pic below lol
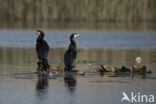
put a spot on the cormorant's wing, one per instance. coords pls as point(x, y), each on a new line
point(42, 50)
point(70, 57)
point(46, 48)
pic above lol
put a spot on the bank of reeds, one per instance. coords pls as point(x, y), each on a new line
point(77, 10)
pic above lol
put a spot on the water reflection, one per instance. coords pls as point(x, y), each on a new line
point(70, 82)
point(72, 89)
point(42, 83)
point(42, 88)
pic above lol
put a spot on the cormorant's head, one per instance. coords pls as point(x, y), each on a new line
point(74, 35)
point(39, 33)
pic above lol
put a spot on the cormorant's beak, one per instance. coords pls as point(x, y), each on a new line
point(77, 35)
point(36, 32)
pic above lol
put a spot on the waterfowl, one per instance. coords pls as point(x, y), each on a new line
point(42, 50)
point(71, 54)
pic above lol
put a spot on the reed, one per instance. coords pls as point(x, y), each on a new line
point(77, 10)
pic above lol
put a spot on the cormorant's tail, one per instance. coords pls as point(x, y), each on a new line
point(45, 64)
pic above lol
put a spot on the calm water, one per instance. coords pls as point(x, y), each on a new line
point(88, 39)
point(20, 85)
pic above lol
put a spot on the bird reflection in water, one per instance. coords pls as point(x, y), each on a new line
point(70, 82)
point(42, 87)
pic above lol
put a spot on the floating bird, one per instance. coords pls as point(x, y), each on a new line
point(71, 54)
point(42, 50)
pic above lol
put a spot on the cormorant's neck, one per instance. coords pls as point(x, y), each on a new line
point(40, 37)
point(73, 42)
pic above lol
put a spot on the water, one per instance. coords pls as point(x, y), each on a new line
point(88, 39)
point(20, 85)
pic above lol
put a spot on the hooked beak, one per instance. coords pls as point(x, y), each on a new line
point(36, 32)
point(77, 35)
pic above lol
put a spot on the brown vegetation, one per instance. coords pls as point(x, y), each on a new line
point(77, 10)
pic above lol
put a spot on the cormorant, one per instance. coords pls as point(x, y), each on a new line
point(71, 54)
point(42, 50)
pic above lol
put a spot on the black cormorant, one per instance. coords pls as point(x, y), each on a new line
point(42, 49)
point(71, 54)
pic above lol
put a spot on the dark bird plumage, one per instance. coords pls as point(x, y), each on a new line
point(42, 49)
point(71, 54)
